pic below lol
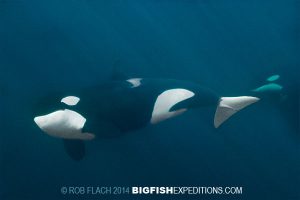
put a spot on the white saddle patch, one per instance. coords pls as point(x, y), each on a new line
point(165, 101)
point(135, 82)
point(70, 100)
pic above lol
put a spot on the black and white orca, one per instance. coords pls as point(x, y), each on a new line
point(120, 106)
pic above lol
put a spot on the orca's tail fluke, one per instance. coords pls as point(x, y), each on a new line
point(228, 106)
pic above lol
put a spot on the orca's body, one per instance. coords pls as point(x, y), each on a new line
point(129, 108)
point(120, 106)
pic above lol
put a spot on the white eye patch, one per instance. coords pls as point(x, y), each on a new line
point(70, 100)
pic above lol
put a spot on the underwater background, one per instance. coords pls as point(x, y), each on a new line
point(229, 46)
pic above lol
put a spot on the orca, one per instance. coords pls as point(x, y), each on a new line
point(271, 91)
point(123, 105)
point(281, 95)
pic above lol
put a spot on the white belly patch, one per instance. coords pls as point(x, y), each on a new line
point(165, 101)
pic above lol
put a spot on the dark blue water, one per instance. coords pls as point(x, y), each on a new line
point(230, 46)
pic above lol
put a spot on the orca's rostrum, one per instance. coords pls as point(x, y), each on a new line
point(124, 105)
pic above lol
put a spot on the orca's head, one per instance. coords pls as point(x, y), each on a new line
point(63, 122)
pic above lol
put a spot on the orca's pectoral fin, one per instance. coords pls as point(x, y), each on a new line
point(75, 149)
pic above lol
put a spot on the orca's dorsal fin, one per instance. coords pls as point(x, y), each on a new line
point(117, 73)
